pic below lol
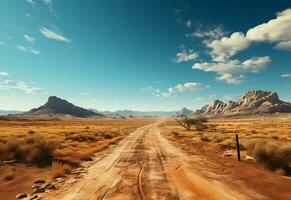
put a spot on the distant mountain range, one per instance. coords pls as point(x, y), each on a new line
point(127, 113)
point(184, 112)
point(10, 112)
point(59, 107)
point(252, 102)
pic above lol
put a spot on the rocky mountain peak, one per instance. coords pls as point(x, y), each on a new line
point(58, 106)
point(252, 102)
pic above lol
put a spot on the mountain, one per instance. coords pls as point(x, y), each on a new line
point(253, 102)
point(128, 113)
point(184, 112)
point(9, 112)
point(58, 106)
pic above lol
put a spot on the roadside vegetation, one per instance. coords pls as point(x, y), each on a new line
point(41, 141)
point(266, 139)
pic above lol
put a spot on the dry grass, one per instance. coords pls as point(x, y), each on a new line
point(35, 140)
point(276, 156)
point(60, 169)
point(267, 138)
point(29, 149)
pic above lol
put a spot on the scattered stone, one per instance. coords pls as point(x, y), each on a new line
point(39, 190)
point(248, 158)
point(228, 153)
point(50, 186)
point(60, 179)
point(40, 181)
point(35, 186)
point(21, 196)
point(33, 197)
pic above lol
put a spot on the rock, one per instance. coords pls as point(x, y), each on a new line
point(248, 158)
point(33, 197)
point(39, 190)
point(60, 179)
point(21, 196)
point(40, 181)
point(50, 186)
point(228, 153)
point(35, 186)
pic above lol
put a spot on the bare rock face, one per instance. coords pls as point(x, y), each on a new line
point(253, 102)
point(58, 106)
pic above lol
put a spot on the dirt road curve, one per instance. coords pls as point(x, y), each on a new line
point(146, 166)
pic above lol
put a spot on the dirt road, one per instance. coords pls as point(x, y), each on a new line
point(146, 166)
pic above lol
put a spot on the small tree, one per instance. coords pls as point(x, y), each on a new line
point(198, 122)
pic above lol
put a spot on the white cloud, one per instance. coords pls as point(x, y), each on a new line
point(188, 24)
point(49, 4)
point(53, 35)
point(28, 49)
point(231, 79)
point(231, 71)
point(186, 56)
point(277, 30)
point(284, 45)
point(4, 74)
point(86, 93)
point(31, 2)
point(1, 43)
point(191, 86)
point(226, 47)
point(286, 75)
point(214, 33)
point(28, 38)
point(22, 86)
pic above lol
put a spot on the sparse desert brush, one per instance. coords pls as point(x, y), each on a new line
point(31, 132)
point(217, 138)
point(273, 155)
point(82, 137)
point(85, 155)
point(30, 149)
point(60, 169)
point(59, 153)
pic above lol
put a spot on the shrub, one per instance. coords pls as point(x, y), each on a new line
point(85, 155)
point(218, 138)
point(31, 149)
point(273, 155)
point(82, 137)
point(60, 169)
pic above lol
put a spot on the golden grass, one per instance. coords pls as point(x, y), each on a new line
point(34, 140)
point(267, 138)
point(60, 169)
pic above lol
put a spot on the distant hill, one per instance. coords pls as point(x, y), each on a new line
point(10, 112)
point(56, 106)
point(127, 113)
point(252, 102)
point(184, 112)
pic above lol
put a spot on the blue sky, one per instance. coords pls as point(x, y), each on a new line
point(142, 55)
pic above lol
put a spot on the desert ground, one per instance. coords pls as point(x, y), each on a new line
point(46, 148)
point(146, 158)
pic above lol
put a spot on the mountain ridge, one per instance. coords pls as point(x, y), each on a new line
point(57, 106)
point(252, 102)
